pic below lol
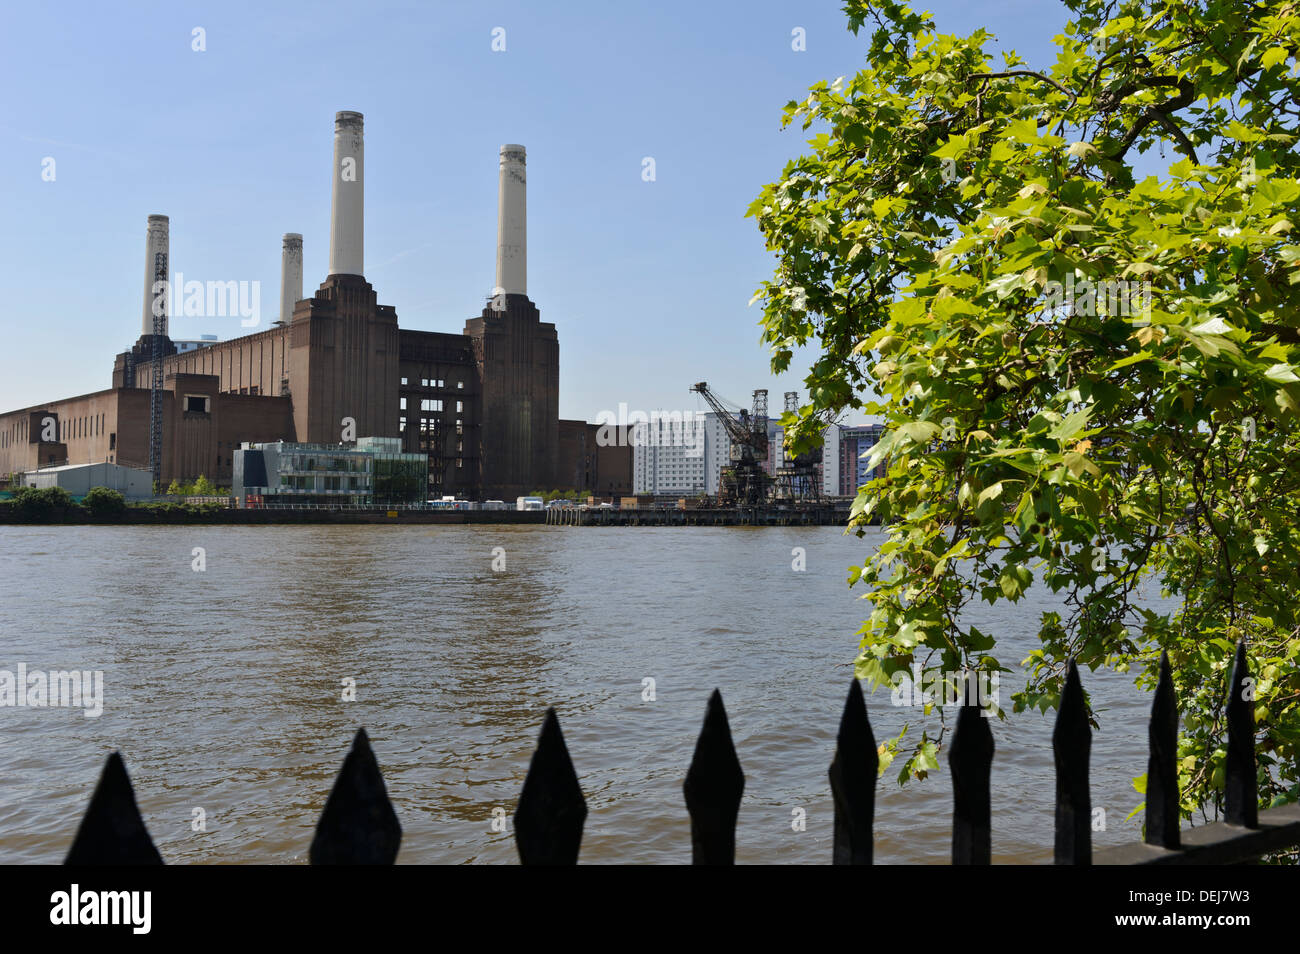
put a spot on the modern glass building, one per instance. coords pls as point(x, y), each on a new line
point(372, 472)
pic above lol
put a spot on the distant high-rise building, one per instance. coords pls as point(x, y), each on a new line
point(855, 443)
point(831, 461)
point(669, 454)
point(717, 452)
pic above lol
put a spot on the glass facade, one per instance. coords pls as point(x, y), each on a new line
point(400, 478)
point(374, 472)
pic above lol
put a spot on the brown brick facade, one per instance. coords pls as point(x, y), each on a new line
point(483, 405)
point(518, 357)
point(113, 426)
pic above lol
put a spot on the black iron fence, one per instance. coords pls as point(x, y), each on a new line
point(359, 826)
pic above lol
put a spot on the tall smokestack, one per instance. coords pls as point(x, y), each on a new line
point(290, 275)
point(512, 246)
point(347, 226)
point(155, 243)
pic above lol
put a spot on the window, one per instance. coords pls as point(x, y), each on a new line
point(401, 405)
point(431, 404)
point(460, 407)
point(196, 404)
point(404, 381)
point(460, 385)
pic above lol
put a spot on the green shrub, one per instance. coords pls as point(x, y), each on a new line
point(103, 502)
point(40, 502)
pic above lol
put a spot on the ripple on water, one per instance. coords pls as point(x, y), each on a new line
point(223, 689)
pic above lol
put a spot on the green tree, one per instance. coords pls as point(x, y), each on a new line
point(102, 502)
point(1070, 290)
point(204, 487)
point(40, 503)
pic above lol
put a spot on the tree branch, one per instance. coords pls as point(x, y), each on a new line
point(1159, 112)
point(1033, 73)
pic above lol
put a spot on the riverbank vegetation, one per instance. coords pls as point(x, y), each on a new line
point(100, 505)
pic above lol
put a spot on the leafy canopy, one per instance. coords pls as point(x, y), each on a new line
point(1069, 289)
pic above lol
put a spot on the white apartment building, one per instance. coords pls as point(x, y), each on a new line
point(831, 461)
point(717, 451)
point(670, 454)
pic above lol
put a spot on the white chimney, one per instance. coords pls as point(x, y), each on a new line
point(512, 246)
point(347, 226)
point(290, 275)
point(155, 269)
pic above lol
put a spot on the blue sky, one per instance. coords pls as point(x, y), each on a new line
point(648, 283)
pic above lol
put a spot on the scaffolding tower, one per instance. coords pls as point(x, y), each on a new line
point(798, 477)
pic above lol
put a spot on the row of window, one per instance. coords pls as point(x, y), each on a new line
point(321, 483)
point(432, 383)
point(428, 425)
point(89, 425)
point(433, 404)
point(359, 464)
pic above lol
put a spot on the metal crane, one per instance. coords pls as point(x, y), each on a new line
point(743, 482)
point(798, 478)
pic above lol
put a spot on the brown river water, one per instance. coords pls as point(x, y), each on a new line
point(222, 688)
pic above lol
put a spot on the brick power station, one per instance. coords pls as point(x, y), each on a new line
point(483, 405)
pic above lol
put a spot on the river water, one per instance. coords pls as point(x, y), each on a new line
point(222, 688)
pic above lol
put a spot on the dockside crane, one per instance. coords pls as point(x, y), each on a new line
point(742, 482)
point(798, 477)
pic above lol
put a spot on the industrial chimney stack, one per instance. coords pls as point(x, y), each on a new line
point(512, 247)
point(347, 226)
point(290, 275)
point(155, 243)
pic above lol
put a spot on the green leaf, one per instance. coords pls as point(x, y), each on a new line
point(1070, 426)
point(921, 432)
point(1273, 56)
point(1214, 326)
